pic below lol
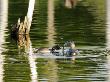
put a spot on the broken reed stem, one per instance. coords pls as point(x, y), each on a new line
point(23, 27)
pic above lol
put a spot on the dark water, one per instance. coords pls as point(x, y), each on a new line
point(85, 24)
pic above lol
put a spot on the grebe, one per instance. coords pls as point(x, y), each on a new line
point(68, 49)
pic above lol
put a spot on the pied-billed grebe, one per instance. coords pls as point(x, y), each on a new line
point(68, 49)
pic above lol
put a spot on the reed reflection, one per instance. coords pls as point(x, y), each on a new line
point(32, 64)
point(52, 74)
point(51, 27)
point(24, 43)
point(70, 3)
point(108, 37)
point(51, 68)
point(25, 48)
point(3, 25)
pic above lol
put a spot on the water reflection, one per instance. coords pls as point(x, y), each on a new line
point(51, 65)
point(70, 3)
point(32, 63)
point(108, 25)
point(33, 68)
point(108, 37)
point(51, 27)
point(3, 25)
point(25, 48)
point(84, 24)
point(25, 44)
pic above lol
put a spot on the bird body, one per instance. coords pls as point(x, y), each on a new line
point(68, 49)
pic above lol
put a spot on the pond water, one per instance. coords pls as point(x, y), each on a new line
point(54, 23)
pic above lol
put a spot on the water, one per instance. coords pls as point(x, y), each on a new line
point(85, 24)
